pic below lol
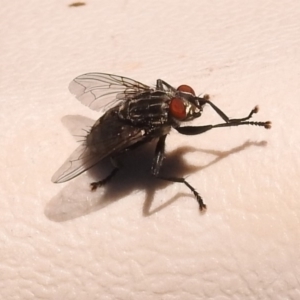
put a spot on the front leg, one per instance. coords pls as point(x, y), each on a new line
point(157, 163)
point(164, 86)
point(224, 116)
point(193, 130)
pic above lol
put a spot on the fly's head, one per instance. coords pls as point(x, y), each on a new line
point(185, 105)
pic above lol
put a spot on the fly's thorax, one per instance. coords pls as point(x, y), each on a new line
point(146, 109)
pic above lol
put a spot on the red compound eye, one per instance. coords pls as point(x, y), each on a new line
point(186, 89)
point(177, 108)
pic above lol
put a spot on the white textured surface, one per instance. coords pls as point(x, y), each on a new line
point(56, 242)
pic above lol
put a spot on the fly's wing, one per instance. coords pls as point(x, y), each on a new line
point(101, 91)
point(106, 143)
point(75, 164)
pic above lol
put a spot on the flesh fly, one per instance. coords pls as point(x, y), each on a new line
point(135, 114)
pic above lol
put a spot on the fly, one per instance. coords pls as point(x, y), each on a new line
point(135, 114)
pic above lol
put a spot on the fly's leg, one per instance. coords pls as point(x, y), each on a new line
point(253, 111)
point(162, 86)
point(193, 130)
point(159, 85)
point(205, 99)
point(199, 199)
point(95, 185)
point(157, 163)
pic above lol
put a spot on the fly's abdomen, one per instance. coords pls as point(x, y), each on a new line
point(150, 108)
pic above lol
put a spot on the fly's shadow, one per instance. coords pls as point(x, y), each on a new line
point(76, 198)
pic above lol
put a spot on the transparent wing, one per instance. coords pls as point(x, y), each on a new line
point(101, 91)
point(79, 161)
point(84, 157)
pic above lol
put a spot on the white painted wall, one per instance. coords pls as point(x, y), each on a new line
point(62, 242)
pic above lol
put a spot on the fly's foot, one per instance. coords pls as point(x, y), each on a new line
point(202, 206)
point(199, 199)
point(206, 97)
point(268, 124)
point(95, 185)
